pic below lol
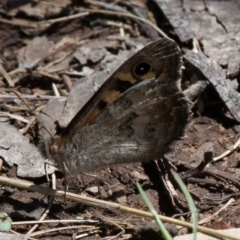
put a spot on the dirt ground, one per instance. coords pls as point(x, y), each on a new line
point(44, 53)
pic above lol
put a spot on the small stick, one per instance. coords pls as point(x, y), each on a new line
point(128, 15)
point(6, 76)
point(224, 154)
point(48, 208)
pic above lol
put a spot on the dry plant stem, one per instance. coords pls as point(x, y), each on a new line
point(116, 236)
point(17, 70)
point(68, 221)
point(59, 60)
point(216, 213)
point(45, 70)
point(55, 90)
point(25, 129)
point(46, 74)
point(120, 25)
point(61, 229)
point(109, 221)
point(62, 19)
point(83, 235)
point(23, 23)
point(1, 163)
point(14, 116)
point(233, 148)
point(48, 208)
point(19, 23)
point(104, 204)
point(14, 108)
point(58, 49)
point(6, 76)
point(32, 97)
point(128, 15)
point(67, 81)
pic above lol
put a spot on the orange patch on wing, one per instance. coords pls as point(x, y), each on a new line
point(110, 96)
point(126, 77)
point(94, 113)
point(164, 74)
point(149, 76)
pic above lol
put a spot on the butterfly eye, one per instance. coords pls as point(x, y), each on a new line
point(142, 68)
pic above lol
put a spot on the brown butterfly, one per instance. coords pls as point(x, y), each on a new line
point(134, 116)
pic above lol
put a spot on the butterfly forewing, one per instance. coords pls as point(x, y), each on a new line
point(163, 57)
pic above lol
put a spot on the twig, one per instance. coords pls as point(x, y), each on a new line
point(18, 22)
point(14, 116)
point(67, 221)
point(22, 23)
point(109, 221)
point(63, 228)
point(6, 76)
point(48, 208)
point(216, 213)
point(67, 81)
point(49, 75)
point(24, 130)
point(128, 15)
point(224, 154)
point(32, 97)
point(55, 90)
point(62, 19)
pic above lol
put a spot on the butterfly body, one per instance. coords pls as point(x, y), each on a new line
point(133, 117)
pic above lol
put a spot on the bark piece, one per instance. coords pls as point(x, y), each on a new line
point(208, 21)
point(214, 73)
point(15, 149)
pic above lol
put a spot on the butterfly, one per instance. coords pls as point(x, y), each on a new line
point(133, 117)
